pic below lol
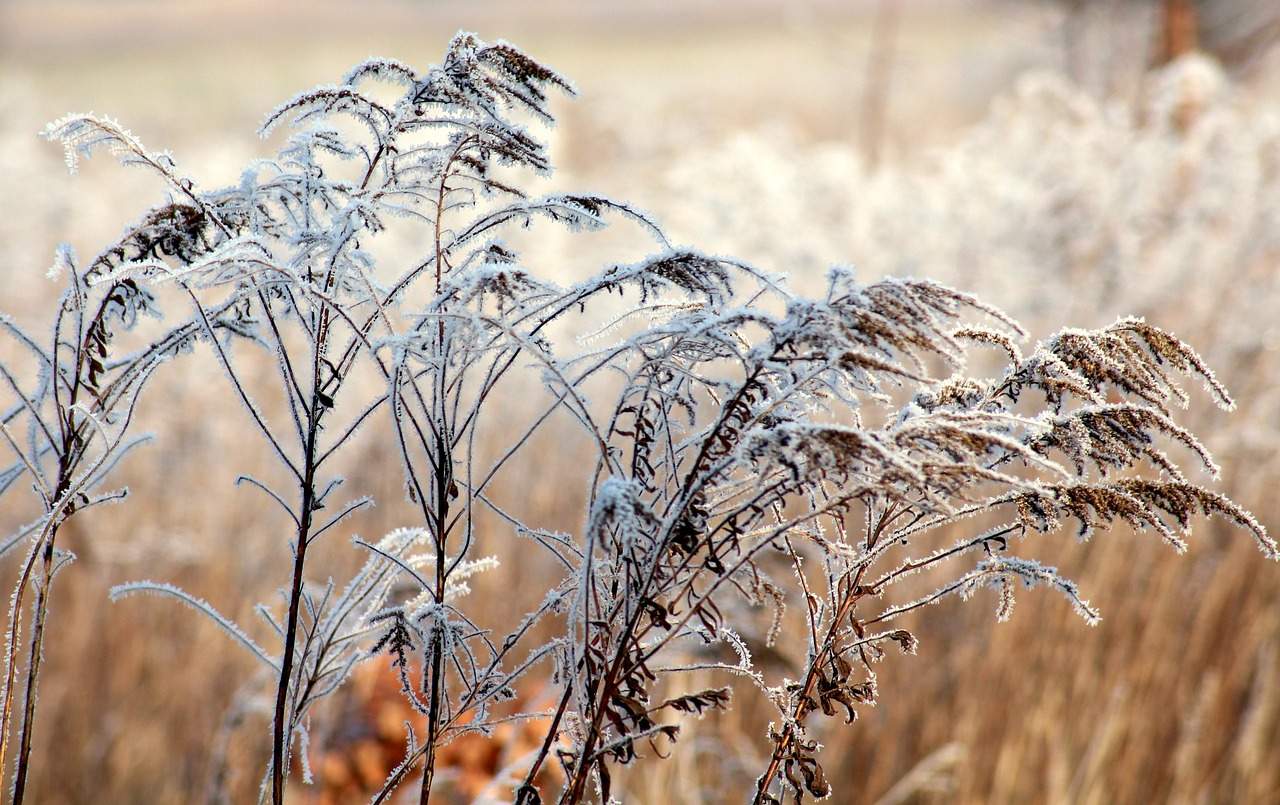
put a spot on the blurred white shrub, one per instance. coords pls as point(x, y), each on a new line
point(1057, 203)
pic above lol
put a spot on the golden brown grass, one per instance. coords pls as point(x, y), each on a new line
point(1176, 696)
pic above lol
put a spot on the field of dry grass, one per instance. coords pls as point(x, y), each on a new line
point(1174, 697)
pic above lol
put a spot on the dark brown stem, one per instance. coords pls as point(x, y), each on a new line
point(281, 723)
point(547, 743)
point(581, 770)
point(443, 480)
point(437, 657)
point(282, 719)
point(783, 742)
point(36, 655)
point(433, 728)
point(577, 784)
point(11, 653)
point(575, 789)
point(72, 437)
point(852, 593)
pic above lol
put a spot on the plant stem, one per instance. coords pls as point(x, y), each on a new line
point(547, 742)
point(36, 654)
point(437, 656)
point(443, 480)
point(788, 732)
point(433, 727)
point(853, 592)
point(281, 719)
point(71, 438)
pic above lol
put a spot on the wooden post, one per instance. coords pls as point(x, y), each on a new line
point(1179, 30)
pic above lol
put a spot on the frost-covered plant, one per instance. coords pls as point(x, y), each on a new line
point(750, 448)
point(69, 426)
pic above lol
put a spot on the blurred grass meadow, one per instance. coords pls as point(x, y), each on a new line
point(1063, 160)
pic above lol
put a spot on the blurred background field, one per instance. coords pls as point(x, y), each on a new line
point(1070, 161)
